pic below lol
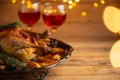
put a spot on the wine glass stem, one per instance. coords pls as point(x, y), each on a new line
point(29, 27)
point(53, 30)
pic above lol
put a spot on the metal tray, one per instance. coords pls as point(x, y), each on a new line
point(40, 73)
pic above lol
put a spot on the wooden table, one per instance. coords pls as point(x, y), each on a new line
point(90, 59)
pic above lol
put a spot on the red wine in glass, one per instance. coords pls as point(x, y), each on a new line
point(54, 20)
point(29, 18)
point(53, 14)
point(29, 13)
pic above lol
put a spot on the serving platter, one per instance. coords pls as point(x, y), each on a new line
point(41, 73)
point(12, 36)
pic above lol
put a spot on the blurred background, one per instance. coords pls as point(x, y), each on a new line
point(84, 20)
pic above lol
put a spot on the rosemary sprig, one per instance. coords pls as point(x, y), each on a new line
point(10, 25)
point(12, 61)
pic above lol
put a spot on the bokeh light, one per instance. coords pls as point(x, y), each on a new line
point(70, 2)
point(84, 13)
point(70, 6)
point(13, 1)
point(95, 4)
point(115, 54)
point(111, 18)
point(102, 1)
point(77, 0)
point(65, 1)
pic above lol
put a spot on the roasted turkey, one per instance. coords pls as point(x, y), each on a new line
point(27, 47)
point(20, 44)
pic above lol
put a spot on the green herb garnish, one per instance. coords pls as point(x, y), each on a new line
point(10, 25)
point(12, 61)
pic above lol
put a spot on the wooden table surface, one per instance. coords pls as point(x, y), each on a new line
point(90, 59)
point(91, 41)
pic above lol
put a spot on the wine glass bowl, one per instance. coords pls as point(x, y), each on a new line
point(53, 14)
point(29, 13)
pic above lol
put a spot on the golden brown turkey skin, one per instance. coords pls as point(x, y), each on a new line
point(32, 48)
point(17, 43)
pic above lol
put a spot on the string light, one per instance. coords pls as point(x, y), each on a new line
point(65, 1)
point(70, 2)
point(95, 4)
point(102, 2)
point(70, 6)
point(77, 0)
point(84, 13)
point(74, 4)
point(23, 1)
point(13, 1)
point(29, 4)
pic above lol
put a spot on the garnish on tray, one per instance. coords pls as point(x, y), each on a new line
point(21, 49)
point(11, 25)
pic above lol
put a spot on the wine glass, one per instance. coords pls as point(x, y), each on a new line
point(29, 13)
point(53, 14)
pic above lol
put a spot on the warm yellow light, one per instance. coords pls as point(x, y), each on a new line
point(74, 4)
point(23, 2)
point(70, 2)
point(115, 54)
point(77, 0)
point(54, 10)
point(13, 1)
point(70, 6)
point(65, 1)
point(29, 4)
point(45, 10)
point(83, 13)
point(95, 4)
point(48, 11)
point(111, 18)
point(102, 1)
